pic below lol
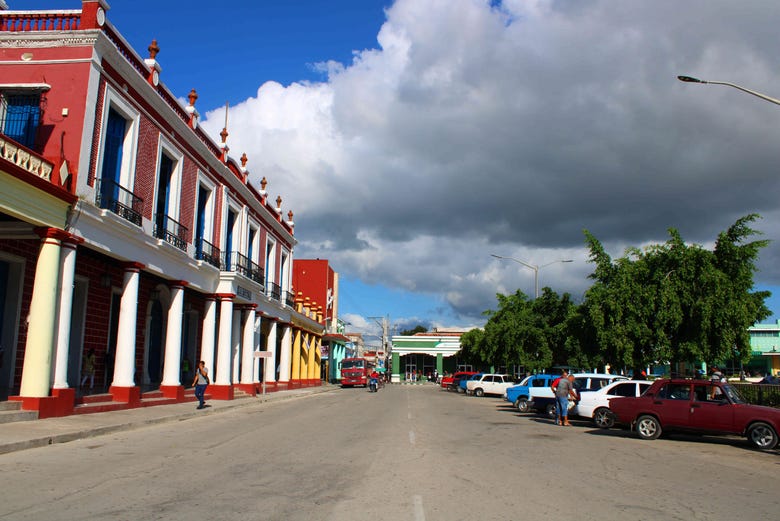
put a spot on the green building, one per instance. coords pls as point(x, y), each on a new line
point(765, 346)
point(424, 354)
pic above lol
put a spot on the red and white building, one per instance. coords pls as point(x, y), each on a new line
point(126, 231)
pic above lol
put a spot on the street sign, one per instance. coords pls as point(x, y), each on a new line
point(263, 354)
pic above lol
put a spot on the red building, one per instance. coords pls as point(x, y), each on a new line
point(131, 243)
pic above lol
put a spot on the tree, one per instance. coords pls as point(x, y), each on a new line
point(673, 301)
point(416, 329)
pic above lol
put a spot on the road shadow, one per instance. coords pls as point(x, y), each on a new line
point(683, 438)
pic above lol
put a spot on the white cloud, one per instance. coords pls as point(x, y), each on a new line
point(509, 129)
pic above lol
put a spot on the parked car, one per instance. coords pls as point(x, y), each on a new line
point(456, 378)
point(542, 400)
point(517, 395)
point(463, 384)
point(698, 406)
point(489, 384)
point(595, 404)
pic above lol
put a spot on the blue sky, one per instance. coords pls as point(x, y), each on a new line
point(413, 138)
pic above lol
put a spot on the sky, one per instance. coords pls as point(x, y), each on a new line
point(414, 138)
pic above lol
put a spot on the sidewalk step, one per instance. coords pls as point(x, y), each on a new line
point(88, 408)
point(10, 416)
point(10, 406)
point(150, 402)
point(94, 398)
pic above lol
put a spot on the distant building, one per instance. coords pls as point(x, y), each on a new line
point(425, 353)
point(765, 347)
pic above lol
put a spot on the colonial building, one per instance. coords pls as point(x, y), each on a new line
point(765, 346)
point(131, 243)
point(316, 279)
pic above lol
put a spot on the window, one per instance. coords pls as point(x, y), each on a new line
point(539, 382)
point(20, 115)
point(166, 217)
point(675, 392)
point(204, 222)
point(116, 162)
point(231, 236)
point(623, 390)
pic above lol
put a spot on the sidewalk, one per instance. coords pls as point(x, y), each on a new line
point(38, 433)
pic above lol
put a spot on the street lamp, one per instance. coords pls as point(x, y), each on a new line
point(688, 79)
point(533, 267)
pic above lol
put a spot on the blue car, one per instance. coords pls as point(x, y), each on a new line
point(518, 395)
point(462, 383)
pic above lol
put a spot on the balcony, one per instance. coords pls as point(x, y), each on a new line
point(207, 252)
point(171, 231)
point(273, 290)
point(289, 299)
point(242, 264)
point(25, 158)
point(112, 196)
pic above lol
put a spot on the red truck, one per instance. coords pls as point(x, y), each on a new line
point(355, 371)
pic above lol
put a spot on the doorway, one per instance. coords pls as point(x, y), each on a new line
point(11, 278)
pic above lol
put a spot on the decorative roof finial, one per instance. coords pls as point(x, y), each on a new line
point(263, 183)
point(153, 50)
point(193, 97)
point(243, 160)
point(279, 203)
point(290, 215)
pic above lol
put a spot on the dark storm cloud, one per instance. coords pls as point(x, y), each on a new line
point(513, 126)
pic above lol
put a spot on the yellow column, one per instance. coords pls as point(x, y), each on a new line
point(296, 355)
point(305, 356)
point(36, 373)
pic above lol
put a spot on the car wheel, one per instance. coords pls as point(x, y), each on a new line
point(479, 392)
point(522, 404)
point(604, 418)
point(762, 436)
point(648, 427)
point(461, 390)
point(550, 411)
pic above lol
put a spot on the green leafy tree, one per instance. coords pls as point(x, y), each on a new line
point(416, 329)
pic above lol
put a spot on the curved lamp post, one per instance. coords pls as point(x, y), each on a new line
point(533, 267)
point(688, 79)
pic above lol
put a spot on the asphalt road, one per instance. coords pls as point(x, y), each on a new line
point(407, 453)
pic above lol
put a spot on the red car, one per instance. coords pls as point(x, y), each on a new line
point(451, 383)
point(698, 406)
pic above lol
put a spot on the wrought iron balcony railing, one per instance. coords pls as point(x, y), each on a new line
point(206, 251)
point(273, 290)
point(113, 196)
point(242, 264)
point(171, 231)
point(289, 299)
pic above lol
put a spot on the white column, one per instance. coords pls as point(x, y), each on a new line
point(236, 346)
point(248, 346)
point(124, 363)
point(36, 372)
point(224, 341)
point(207, 337)
point(259, 346)
point(67, 272)
point(270, 363)
point(285, 354)
point(172, 363)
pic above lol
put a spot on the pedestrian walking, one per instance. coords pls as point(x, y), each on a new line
point(200, 383)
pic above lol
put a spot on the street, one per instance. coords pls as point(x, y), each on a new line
point(407, 452)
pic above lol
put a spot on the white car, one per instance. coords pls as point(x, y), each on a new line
point(541, 399)
point(595, 404)
point(489, 384)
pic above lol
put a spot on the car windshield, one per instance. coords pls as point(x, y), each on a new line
point(732, 394)
point(526, 380)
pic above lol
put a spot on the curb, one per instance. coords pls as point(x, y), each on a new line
point(126, 426)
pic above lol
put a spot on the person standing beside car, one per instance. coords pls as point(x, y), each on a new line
point(563, 391)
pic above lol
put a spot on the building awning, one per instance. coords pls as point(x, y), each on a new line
point(335, 337)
